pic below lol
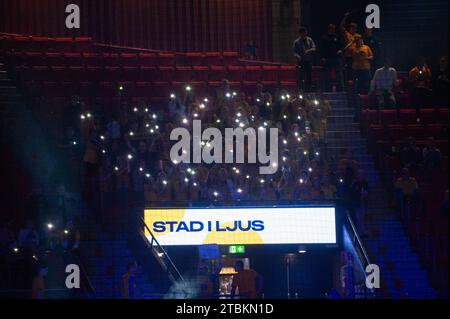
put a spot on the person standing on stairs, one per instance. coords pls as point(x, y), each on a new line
point(304, 49)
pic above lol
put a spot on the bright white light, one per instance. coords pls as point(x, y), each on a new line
point(50, 226)
point(102, 137)
point(147, 175)
point(241, 124)
point(116, 168)
point(301, 180)
point(188, 88)
point(202, 106)
point(228, 95)
point(185, 121)
point(104, 151)
point(141, 169)
point(82, 117)
point(135, 109)
point(239, 190)
point(316, 102)
point(186, 180)
point(172, 96)
point(129, 156)
point(154, 116)
point(164, 182)
point(216, 194)
point(261, 181)
point(239, 114)
point(131, 133)
point(310, 169)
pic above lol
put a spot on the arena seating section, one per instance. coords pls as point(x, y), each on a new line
point(59, 68)
point(387, 132)
point(55, 69)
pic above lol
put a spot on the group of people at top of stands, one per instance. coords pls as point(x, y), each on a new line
point(353, 56)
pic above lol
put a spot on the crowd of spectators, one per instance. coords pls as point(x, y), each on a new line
point(126, 154)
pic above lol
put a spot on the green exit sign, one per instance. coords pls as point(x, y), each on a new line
point(236, 249)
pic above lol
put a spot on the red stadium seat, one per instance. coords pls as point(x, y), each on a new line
point(149, 73)
point(183, 73)
point(290, 86)
point(110, 59)
point(376, 133)
point(252, 73)
point(73, 59)
point(166, 59)
point(40, 73)
point(442, 117)
point(108, 89)
point(63, 45)
point(218, 73)
point(200, 73)
point(287, 73)
point(59, 73)
point(53, 58)
point(235, 73)
point(86, 89)
point(112, 73)
point(230, 58)
point(194, 58)
point(373, 117)
point(388, 117)
point(408, 117)
point(40, 43)
point(200, 88)
point(130, 74)
point(213, 58)
point(129, 59)
point(143, 89)
point(438, 131)
point(427, 116)
point(167, 73)
point(415, 130)
point(92, 59)
point(147, 59)
point(77, 73)
point(397, 133)
point(34, 58)
point(270, 74)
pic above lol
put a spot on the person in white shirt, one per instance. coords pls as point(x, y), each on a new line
point(383, 83)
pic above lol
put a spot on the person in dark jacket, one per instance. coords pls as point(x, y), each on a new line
point(331, 59)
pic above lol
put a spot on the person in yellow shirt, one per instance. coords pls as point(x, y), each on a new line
point(362, 56)
point(348, 36)
point(420, 81)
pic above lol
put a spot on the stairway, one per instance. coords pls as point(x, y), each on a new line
point(387, 245)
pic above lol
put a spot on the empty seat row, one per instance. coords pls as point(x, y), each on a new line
point(268, 75)
point(124, 89)
point(405, 116)
point(402, 132)
point(23, 43)
point(32, 58)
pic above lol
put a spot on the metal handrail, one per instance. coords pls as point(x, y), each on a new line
point(161, 249)
point(358, 240)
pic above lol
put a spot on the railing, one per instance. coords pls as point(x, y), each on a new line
point(161, 255)
point(363, 257)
